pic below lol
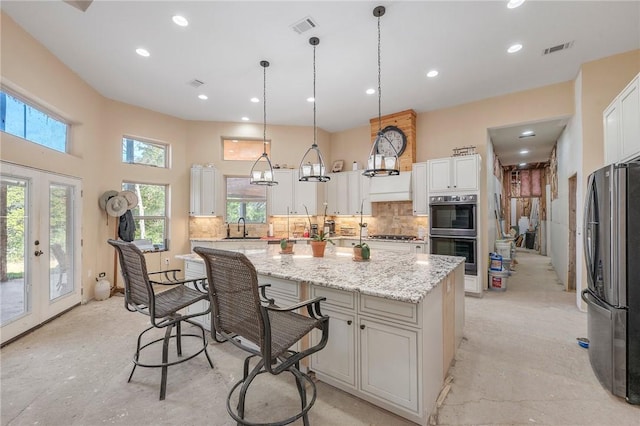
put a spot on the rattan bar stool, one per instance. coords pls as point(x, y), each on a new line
point(162, 308)
point(238, 310)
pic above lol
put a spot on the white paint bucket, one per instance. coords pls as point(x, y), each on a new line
point(503, 248)
point(498, 280)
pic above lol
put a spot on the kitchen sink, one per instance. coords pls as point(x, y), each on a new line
point(242, 238)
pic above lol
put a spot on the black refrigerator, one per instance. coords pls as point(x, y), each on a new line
point(612, 255)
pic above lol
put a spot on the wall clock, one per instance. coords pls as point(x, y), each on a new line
point(395, 137)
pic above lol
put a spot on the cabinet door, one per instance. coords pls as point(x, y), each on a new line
point(192, 270)
point(353, 197)
point(208, 192)
point(305, 194)
point(472, 284)
point(611, 123)
point(332, 194)
point(337, 359)
point(337, 197)
point(630, 121)
point(465, 173)
point(365, 185)
point(420, 196)
point(281, 195)
point(439, 175)
point(194, 198)
point(389, 363)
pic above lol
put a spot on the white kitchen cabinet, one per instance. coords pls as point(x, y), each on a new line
point(420, 195)
point(621, 121)
point(205, 192)
point(382, 345)
point(347, 192)
point(294, 195)
point(454, 174)
point(472, 285)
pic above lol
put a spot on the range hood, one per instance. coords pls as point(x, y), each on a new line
point(391, 188)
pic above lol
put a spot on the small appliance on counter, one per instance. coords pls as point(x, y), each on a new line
point(332, 226)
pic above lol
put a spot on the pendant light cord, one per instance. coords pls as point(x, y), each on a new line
point(315, 131)
point(264, 105)
point(379, 71)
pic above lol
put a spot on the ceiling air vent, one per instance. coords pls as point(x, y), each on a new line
point(557, 48)
point(304, 25)
point(195, 83)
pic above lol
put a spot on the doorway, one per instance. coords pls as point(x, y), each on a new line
point(40, 226)
point(571, 270)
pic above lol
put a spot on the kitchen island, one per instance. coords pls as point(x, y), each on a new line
point(396, 320)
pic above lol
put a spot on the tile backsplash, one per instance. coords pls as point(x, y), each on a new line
point(387, 218)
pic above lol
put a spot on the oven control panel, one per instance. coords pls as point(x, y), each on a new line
point(447, 199)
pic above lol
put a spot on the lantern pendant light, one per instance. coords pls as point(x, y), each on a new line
point(377, 164)
point(312, 167)
point(262, 171)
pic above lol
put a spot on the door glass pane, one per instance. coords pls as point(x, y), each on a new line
point(13, 224)
point(60, 240)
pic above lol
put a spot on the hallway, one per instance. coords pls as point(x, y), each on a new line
point(518, 364)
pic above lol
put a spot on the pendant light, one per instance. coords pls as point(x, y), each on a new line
point(262, 171)
point(312, 167)
point(377, 164)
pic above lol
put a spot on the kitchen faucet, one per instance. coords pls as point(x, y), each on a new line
point(244, 227)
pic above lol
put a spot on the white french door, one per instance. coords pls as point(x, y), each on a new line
point(40, 215)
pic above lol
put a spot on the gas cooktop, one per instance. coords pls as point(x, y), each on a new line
point(393, 237)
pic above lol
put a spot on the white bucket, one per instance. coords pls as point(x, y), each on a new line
point(498, 280)
point(503, 248)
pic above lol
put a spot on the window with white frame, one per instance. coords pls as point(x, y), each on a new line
point(27, 121)
point(136, 151)
point(246, 200)
point(150, 215)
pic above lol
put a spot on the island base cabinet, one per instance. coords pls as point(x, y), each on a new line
point(193, 270)
point(389, 363)
point(337, 359)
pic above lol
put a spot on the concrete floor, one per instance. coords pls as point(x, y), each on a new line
point(518, 364)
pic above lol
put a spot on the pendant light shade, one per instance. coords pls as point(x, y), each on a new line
point(312, 167)
point(262, 170)
point(377, 163)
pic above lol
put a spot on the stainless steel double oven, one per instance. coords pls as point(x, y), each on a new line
point(453, 228)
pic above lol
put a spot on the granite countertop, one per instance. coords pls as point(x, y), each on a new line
point(336, 238)
point(407, 277)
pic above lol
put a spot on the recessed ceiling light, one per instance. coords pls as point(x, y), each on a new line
point(203, 97)
point(180, 20)
point(514, 48)
point(527, 133)
point(432, 73)
point(245, 118)
point(255, 100)
point(524, 151)
point(371, 91)
point(143, 52)
point(512, 4)
point(310, 99)
point(523, 164)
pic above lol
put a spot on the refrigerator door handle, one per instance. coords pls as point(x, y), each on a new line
point(596, 304)
point(590, 234)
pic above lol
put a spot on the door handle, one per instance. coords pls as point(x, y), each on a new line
point(38, 252)
point(361, 326)
point(349, 322)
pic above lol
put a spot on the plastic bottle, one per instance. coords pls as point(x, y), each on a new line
point(306, 232)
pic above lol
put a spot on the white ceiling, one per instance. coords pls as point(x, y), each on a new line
point(225, 41)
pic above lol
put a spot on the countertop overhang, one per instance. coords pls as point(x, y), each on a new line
point(407, 277)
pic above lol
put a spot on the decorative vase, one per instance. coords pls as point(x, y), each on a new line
point(318, 248)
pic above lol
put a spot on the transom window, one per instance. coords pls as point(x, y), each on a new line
point(238, 149)
point(245, 200)
point(19, 118)
point(135, 151)
point(150, 215)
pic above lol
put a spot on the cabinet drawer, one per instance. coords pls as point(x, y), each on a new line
point(280, 286)
point(387, 308)
point(340, 298)
point(193, 269)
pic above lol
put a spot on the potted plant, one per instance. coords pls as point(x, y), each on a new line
point(319, 241)
point(286, 246)
point(361, 251)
